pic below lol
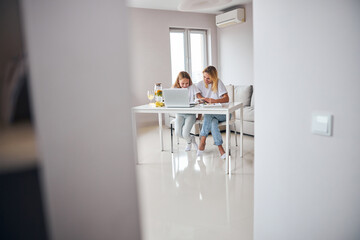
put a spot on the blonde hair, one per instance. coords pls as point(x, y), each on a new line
point(180, 76)
point(211, 70)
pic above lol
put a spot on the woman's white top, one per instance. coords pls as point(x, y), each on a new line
point(193, 90)
point(208, 93)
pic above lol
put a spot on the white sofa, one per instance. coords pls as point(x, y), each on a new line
point(237, 93)
point(244, 94)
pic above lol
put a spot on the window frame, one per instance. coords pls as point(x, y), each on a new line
point(187, 46)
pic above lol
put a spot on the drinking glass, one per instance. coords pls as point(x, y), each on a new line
point(150, 95)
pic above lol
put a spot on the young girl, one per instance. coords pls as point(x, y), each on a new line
point(212, 90)
point(184, 122)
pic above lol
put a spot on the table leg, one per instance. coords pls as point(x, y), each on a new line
point(241, 131)
point(227, 143)
point(133, 118)
point(161, 131)
point(171, 134)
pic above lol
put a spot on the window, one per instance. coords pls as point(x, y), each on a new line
point(188, 52)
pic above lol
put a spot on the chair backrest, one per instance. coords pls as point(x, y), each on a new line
point(230, 90)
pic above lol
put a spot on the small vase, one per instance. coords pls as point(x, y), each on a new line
point(158, 92)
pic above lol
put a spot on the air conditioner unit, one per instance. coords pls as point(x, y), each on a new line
point(230, 18)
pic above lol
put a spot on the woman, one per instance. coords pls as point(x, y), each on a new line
point(212, 90)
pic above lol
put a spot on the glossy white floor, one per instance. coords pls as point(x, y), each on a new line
point(186, 197)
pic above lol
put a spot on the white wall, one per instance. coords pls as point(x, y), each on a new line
point(235, 51)
point(307, 58)
point(150, 47)
point(81, 90)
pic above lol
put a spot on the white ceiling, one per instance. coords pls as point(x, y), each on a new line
point(173, 5)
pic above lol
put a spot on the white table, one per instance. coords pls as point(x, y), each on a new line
point(226, 109)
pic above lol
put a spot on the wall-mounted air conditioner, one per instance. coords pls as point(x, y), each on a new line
point(230, 18)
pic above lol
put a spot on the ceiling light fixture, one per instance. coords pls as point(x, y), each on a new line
point(191, 5)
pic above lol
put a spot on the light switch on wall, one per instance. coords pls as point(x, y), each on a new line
point(322, 124)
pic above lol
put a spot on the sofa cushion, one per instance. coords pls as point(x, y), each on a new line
point(249, 114)
point(242, 93)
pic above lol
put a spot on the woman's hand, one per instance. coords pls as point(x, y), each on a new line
point(224, 98)
point(209, 100)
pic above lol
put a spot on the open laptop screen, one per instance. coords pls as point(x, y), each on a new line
point(176, 97)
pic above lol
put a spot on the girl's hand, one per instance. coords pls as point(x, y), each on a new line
point(200, 101)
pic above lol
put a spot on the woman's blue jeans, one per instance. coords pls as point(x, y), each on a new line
point(211, 124)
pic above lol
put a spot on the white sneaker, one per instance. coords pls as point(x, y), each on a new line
point(188, 147)
point(194, 142)
point(223, 156)
point(199, 153)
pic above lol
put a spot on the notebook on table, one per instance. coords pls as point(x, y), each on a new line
point(211, 105)
point(176, 98)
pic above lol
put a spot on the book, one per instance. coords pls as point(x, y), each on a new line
point(211, 105)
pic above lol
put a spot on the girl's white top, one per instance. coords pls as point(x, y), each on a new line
point(208, 93)
point(193, 90)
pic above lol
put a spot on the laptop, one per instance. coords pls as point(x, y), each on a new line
point(176, 98)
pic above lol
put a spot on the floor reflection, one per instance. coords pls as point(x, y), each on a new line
point(183, 196)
